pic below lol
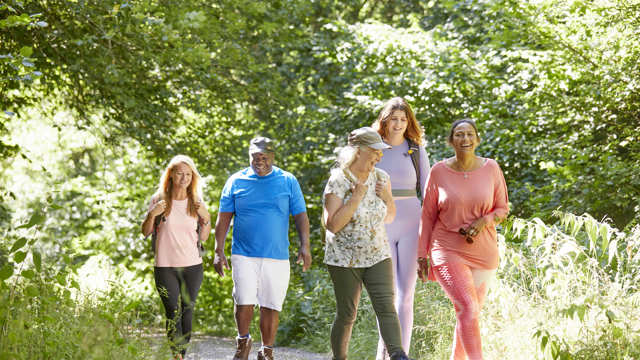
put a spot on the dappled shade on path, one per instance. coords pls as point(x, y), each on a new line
point(215, 348)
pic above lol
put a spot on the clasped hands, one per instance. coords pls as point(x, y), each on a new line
point(382, 190)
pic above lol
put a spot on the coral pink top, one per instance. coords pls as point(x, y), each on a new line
point(177, 237)
point(454, 199)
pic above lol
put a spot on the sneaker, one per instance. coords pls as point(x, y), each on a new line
point(244, 346)
point(400, 355)
point(265, 353)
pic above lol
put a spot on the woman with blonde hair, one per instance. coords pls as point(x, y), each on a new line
point(407, 163)
point(357, 204)
point(179, 221)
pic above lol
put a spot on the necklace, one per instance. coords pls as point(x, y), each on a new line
point(465, 172)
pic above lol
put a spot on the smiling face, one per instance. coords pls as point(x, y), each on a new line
point(181, 175)
point(262, 162)
point(464, 138)
point(368, 157)
point(397, 123)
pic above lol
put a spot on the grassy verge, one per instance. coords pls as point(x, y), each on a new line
point(563, 291)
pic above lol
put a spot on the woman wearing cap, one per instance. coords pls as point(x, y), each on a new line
point(407, 163)
point(465, 197)
point(357, 204)
point(178, 264)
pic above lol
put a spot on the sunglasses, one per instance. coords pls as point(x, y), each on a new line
point(466, 235)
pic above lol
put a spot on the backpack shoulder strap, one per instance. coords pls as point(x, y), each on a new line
point(414, 153)
point(198, 228)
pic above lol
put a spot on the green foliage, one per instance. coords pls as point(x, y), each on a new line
point(434, 322)
point(536, 76)
point(582, 275)
point(214, 308)
point(44, 314)
point(115, 89)
point(309, 310)
point(558, 296)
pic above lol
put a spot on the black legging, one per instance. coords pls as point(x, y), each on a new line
point(183, 283)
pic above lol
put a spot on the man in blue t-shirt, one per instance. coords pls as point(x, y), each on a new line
point(261, 197)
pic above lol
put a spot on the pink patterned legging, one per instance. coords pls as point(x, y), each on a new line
point(467, 288)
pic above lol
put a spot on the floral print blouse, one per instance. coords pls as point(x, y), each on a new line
point(363, 241)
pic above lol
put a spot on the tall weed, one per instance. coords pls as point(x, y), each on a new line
point(578, 280)
point(45, 315)
point(564, 291)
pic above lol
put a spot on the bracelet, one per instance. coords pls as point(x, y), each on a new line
point(205, 223)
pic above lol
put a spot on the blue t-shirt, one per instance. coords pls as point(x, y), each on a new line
point(261, 207)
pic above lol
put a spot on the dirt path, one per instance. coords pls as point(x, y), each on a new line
point(215, 348)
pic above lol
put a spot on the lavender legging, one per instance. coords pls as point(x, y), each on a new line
point(466, 288)
point(403, 240)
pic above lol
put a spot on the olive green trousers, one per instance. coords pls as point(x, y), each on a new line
point(347, 286)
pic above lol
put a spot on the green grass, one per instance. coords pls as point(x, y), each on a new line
point(45, 315)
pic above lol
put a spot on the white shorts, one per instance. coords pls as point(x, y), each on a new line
point(261, 281)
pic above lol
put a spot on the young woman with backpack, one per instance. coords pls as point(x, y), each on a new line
point(179, 222)
point(407, 163)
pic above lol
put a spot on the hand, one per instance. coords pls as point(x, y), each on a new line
point(476, 227)
point(158, 208)
point(359, 190)
point(423, 269)
point(382, 190)
point(304, 258)
point(201, 209)
point(220, 262)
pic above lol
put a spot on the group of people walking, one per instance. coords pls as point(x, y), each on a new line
point(389, 219)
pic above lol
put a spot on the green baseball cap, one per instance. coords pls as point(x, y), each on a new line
point(367, 136)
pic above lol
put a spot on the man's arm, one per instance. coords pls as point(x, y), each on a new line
point(302, 226)
point(222, 228)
